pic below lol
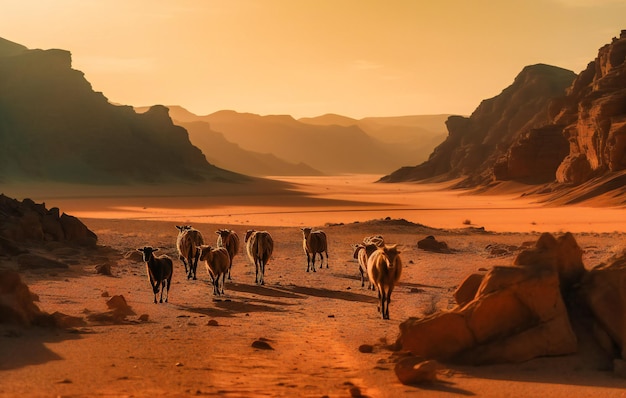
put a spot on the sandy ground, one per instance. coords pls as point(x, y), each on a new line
point(199, 344)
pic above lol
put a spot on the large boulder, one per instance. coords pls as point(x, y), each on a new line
point(561, 254)
point(604, 290)
point(516, 314)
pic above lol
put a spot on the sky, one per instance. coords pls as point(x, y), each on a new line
point(306, 58)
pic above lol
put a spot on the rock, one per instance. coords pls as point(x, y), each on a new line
point(561, 254)
point(261, 345)
point(431, 244)
point(366, 348)
point(593, 119)
point(415, 370)
point(120, 309)
point(10, 248)
point(604, 290)
point(474, 144)
point(212, 322)
point(76, 231)
point(16, 301)
point(134, 256)
point(517, 314)
point(144, 317)
point(466, 291)
point(104, 269)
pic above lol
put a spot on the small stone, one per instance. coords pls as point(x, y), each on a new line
point(212, 322)
point(366, 348)
point(179, 364)
point(261, 345)
point(415, 370)
point(105, 294)
point(144, 317)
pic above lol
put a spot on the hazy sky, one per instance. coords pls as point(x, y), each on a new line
point(309, 57)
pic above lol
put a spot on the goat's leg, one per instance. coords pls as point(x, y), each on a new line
point(326, 258)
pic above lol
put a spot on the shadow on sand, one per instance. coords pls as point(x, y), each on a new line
point(25, 347)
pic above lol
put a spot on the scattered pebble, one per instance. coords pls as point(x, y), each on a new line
point(65, 381)
point(144, 317)
point(262, 345)
point(179, 364)
point(212, 322)
point(366, 348)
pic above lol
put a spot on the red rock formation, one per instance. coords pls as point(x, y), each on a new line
point(512, 314)
point(474, 144)
point(594, 116)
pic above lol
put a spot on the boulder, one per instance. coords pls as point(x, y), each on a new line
point(561, 254)
point(604, 290)
point(431, 244)
point(516, 314)
point(16, 301)
point(468, 288)
point(415, 370)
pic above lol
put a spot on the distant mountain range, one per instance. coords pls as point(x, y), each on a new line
point(564, 133)
point(329, 144)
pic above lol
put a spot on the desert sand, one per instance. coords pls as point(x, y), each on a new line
point(312, 323)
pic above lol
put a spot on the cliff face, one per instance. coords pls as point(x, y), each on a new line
point(475, 144)
point(54, 127)
point(549, 126)
point(594, 117)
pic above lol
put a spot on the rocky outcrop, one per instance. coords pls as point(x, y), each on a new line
point(27, 221)
point(550, 128)
point(17, 303)
point(56, 128)
point(475, 144)
point(510, 314)
point(594, 117)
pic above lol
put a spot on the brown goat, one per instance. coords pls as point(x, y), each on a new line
point(361, 254)
point(186, 243)
point(159, 271)
point(259, 246)
point(230, 240)
point(216, 261)
point(384, 268)
point(314, 242)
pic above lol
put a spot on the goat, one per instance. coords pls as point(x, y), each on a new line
point(217, 261)
point(376, 240)
point(186, 243)
point(159, 271)
point(384, 267)
point(259, 246)
point(230, 240)
point(314, 242)
point(361, 253)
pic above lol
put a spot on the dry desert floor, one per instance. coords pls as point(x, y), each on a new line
point(300, 333)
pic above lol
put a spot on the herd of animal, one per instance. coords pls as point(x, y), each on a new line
point(378, 261)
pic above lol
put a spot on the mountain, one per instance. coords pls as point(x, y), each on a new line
point(563, 133)
point(54, 127)
point(231, 156)
point(332, 144)
point(476, 143)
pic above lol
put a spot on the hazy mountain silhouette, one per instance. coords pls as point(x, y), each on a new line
point(54, 127)
point(231, 156)
point(333, 144)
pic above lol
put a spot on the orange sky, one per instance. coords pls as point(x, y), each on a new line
point(309, 57)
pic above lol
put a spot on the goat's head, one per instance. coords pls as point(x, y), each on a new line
point(147, 252)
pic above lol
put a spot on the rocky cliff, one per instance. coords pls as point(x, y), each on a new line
point(474, 144)
point(593, 116)
point(549, 126)
point(54, 127)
